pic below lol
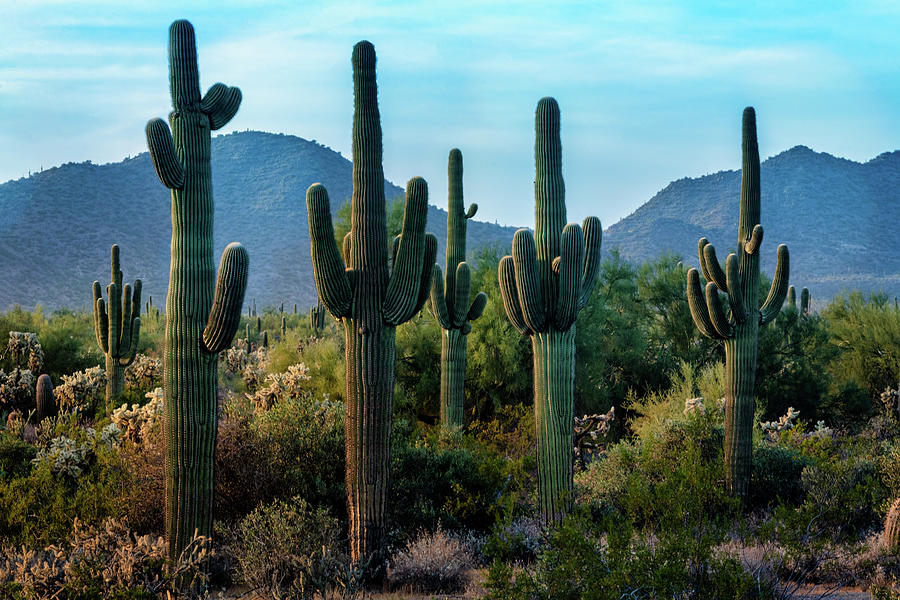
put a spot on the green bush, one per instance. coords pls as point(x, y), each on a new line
point(776, 476)
point(451, 481)
point(289, 549)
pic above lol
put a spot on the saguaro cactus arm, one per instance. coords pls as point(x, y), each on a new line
point(772, 306)
point(438, 302)
point(528, 280)
point(569, 270)
point(220, 104)
point(225, 315)
point(328, 267)
point(169, 167)
point(699, 309)
point(405, 283)
point(506, 276)
point(477, 307)
point(593, 239)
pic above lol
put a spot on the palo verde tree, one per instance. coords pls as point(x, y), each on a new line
point(370, 300)
point(117, 325)
point(544, 284)
point(202, 314)
point(450, 300)
point(739, 327)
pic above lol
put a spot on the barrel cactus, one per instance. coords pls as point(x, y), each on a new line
point(45, 401)
point(450, 300)
point(202, 313)
point(545, 283)
point(739, 326)
point(117, 325)
point(370, 300)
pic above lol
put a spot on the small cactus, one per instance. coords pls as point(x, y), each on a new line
point(283, 326)
point(317, 318)
point(45, 401)
point(117, 325)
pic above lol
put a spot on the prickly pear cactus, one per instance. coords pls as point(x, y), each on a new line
point(450, 300)
point(117, 325)
point(546, 281)
point(202, 313)
point(370, 300)
point(739, 326)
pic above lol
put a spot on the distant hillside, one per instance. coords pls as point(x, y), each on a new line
point(836, 216)
point(56, 226)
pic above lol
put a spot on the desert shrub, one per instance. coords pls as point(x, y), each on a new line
point(607, 559)
point(142, 493)
point(289, 549)
point(244, 472)
point(303, 439)
point(69, 343)
point(144, 374)
point(776, 476)
point(15, 455)
point(107, 560)
point(451, 481)
point(432, 562)
point(518, 541)
point(39, 508)
point(325, 359)
point(510, 433)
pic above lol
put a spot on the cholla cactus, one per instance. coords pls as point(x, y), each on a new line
point(25, 350)
point(144, 373)
point(68, 458)
point(694, 406)
point(784, 422)
point(586, 431)
point(890, 398)
point(16, 390)
point(80, 389)
point(289, 384)
point(137, 421)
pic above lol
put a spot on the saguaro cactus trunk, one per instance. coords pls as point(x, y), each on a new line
point(370, 301)
point(740, 327)
point(450, 301)
point(546, 281)
point(202, 314)
point(117, 325)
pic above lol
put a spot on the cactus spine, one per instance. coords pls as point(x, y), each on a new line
point(370, 300)
point(546, 281)
point(740, 328)
point(450, 300)
point(45, 402)
point(117, 325)
point(202, 313)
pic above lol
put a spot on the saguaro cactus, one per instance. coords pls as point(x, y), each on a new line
point(370, 300)
point(450, 300)
point(202, 314)
point(317, 318)
point(117, 325)
point(739, 328)
point(546, 281)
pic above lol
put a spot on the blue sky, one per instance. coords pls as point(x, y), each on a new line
point(649, 91)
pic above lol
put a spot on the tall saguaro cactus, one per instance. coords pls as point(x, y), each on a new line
point(370, 300)
point(450, 300)
point(739, 326)
point(202, 313)
point(117, 325)
point(546, 281)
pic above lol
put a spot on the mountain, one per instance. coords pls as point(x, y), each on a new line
point(835, 215)
point(56, 226)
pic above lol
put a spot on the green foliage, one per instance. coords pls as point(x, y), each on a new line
point(776, 476)
point(452, 481)
point(418, 374)
point(866, 329)
point(301, 560)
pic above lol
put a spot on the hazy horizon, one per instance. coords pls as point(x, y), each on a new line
point(648, 94)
